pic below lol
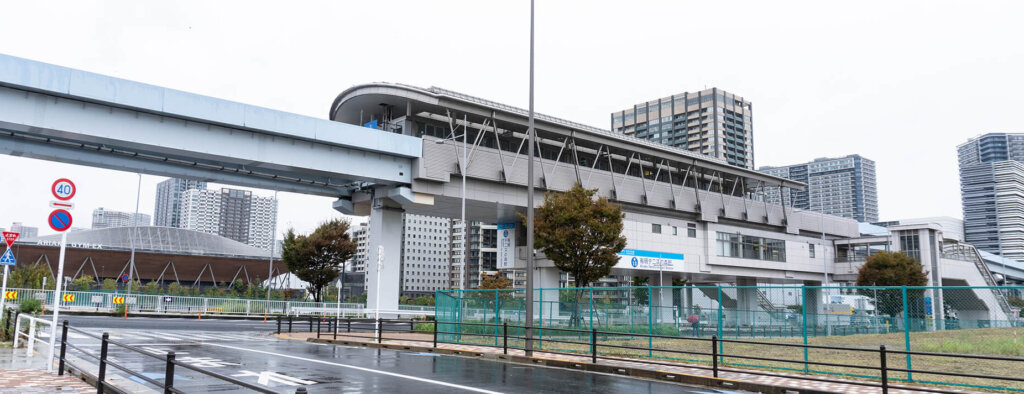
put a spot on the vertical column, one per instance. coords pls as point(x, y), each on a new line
point(747, 306)
point(812, 304)
point(547, 278)
point(661, 298)
point(385, 230)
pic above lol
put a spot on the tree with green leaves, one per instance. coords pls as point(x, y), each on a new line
point(109, 284)
point(581, 235)
point(319, 257)
point(497, 282)
point(892, 269)
point(82, 283)
point(30, 276)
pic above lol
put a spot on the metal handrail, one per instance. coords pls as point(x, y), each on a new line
point(716, 356)
point(168, 383)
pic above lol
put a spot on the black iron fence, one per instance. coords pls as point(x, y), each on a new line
point(589, 343)
point(102, 378)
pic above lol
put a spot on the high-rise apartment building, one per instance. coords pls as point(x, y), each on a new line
point(842, 186)
point(24, 231)
point(230, 213)
point(425, 253)
point(992, 193)
point(168, 200)
point(482, 254)
point(102, 218)
point(712, 122)
point(360, 234)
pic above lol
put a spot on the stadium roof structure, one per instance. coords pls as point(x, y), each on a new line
point(154, 239)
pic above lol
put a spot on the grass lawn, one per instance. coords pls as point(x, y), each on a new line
point(856, 364)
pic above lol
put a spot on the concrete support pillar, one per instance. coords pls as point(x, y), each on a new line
point(661, 299)
point(813, 305)
point(546, 278)
point(747, 306)
point(385, 230)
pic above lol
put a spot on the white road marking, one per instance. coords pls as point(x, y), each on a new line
point(361, 369)
point(266, 377)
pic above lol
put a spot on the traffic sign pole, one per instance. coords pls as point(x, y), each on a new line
point(9, 238)
point(3, 300)
point(60, 220)
point(56, 298)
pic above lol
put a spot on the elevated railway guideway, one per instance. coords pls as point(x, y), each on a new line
point(387, 149)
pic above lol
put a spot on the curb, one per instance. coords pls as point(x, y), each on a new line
point(640, 373)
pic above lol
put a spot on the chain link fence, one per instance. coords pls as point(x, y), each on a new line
point(949, 320)
point(94, 301)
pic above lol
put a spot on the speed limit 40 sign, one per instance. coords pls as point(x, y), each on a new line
point(63, 189)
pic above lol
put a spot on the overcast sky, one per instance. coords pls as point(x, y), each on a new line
point(901, 83)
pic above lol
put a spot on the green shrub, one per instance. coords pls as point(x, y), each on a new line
point(119, 310)
point(30, 305)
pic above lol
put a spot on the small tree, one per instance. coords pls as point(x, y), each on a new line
point(109, 284)
point(175, 288)
point(82, 283)
point(640, 296)
point(497, 282)
point(30, 276)
point(891, 269)
point(317, 258)
point(153, 287)
point(581, 235)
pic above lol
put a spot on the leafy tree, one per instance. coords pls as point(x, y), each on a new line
point(153, 287)
point(318, 258)
point(892, 269)
point(30, 276)
point(581, 235)
point(175, 288)
point(237, 287)
point(109, 284)
point(82, 283)
point(641, 295)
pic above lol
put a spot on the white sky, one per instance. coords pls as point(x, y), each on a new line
point(899, 83)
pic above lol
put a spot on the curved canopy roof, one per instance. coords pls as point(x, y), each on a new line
point(154, 239)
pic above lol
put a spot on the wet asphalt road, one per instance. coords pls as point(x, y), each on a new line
point(244, 350)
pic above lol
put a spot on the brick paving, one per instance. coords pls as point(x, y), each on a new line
point(787, 380)
point(20, 380)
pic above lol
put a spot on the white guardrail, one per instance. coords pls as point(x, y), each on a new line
point(31, 335)
point(92, 301)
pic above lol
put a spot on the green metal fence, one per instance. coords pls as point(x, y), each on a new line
point(951, 319)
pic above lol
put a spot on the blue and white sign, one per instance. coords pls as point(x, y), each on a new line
point(8, 258)
point(927, 306)
point(506, 245)
point(649, 260)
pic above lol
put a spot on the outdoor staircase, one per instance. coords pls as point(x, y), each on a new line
point(990, 280)
point(730, 302)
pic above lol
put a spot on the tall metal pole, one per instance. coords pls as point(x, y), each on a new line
point(529, 209)
point(465, 226)
point(825, 283)
point(56, 299)
point(131, 261)
point(270, 263)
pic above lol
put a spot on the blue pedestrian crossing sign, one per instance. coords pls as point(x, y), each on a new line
point(8, 258)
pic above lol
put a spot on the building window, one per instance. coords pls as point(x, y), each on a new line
point(749, 247)
point(810, 249)
point(656, 228)
point(691, 230)
point(675, 230)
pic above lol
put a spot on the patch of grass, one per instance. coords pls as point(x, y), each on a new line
point(858, 364)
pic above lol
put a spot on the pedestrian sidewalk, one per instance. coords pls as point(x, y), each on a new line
point(22, 380)
point(23, 373)
point(637, 368)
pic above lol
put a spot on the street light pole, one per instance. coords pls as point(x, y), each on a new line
point(270, 263)
point(465, 226)
point(135, 229)
point(529, 208)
